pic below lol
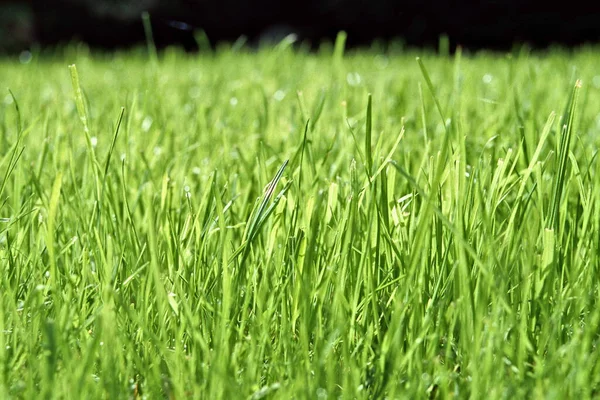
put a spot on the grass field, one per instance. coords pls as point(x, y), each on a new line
point(279, 224)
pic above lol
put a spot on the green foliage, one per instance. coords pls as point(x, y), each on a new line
point(278, 224)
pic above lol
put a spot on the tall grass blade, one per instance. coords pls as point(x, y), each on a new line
point(562, 151)
point(368, 129)
point(150, 45)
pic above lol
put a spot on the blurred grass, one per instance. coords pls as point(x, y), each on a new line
point(434, 234)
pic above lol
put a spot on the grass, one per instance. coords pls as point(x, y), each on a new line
point(278, 224)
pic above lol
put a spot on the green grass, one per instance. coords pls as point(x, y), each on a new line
point(278, 224)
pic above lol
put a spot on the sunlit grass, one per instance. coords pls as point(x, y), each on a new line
point(278, 224)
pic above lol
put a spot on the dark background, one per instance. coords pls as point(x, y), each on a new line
point(108, 24)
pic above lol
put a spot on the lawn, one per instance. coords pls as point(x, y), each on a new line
point(282, 224)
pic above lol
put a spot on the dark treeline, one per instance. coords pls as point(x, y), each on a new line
point(111, 24)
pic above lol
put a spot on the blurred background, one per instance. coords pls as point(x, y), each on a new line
point(109, 24)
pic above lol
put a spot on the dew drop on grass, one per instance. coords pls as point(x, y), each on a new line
point(487, 79)
point(48, 94)
point(279, 95)
point(94, 141)
point(25, 57)
point(147, 123)
point(321, 393)
point(381, 61)
point(353, 78)
point(233, 101)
